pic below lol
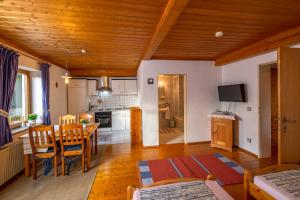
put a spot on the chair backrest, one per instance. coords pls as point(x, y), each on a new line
point(88, 116)
point(42, 137)
point(71, 134)
point(67, 119)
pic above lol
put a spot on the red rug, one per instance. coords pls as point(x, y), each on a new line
point(226, 171)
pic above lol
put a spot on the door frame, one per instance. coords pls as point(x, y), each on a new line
point(184, 106)
point(261, 151)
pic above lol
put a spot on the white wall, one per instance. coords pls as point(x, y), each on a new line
point(202, 97)
point(58, 96)
point(247, 71)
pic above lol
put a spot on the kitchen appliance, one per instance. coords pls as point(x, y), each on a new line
point(104, 118)
point(103, 84)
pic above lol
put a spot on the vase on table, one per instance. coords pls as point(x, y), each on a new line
point(32, 122)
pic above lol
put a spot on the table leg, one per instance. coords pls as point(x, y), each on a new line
point(27, 164)
point(88, 149)
point(96, 141)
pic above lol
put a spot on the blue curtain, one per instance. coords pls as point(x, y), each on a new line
point(8, 75)
point(45, 86)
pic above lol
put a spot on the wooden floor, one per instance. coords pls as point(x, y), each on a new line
point(170, 136)
point(118, 169)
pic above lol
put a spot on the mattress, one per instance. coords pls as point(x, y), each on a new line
point(209, 190)
point(280, 185)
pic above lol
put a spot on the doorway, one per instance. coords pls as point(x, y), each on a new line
point(268, 121)
point(171, 108)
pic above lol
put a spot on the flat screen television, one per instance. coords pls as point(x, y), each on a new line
point(232, 93)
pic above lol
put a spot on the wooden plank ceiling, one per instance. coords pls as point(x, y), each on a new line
point(243, 23)
point(116, 33)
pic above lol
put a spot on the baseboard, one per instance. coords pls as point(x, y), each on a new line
point(246, 151)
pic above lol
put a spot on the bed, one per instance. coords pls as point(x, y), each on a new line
point(180, 188)
point(274, 182)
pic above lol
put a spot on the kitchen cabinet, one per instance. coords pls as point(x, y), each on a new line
point(77, 96)
point(222, 133)
point(127, 119)
point(92, 87)
point(118, 123)
point(130, 87)
point(124, 87)
point(117, 86)
point(136, 125)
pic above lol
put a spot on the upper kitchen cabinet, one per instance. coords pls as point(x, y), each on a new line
point(92, 87)
point(130, 87)
point(117, 86)
point(124, 86)
point(77, 96)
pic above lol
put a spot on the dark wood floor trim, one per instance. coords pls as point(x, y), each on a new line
point(194, 143)
point(246, 151)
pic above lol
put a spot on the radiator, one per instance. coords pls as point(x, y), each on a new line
point(11, 161)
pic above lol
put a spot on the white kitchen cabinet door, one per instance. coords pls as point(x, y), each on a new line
point(127, 123)
point(92, 87)
point(130, 87)
point(117, 86)
point(118, 123)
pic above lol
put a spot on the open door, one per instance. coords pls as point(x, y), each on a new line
point(289, 105)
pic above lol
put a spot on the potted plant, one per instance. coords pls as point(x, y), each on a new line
point(84, 122)
point(32, 118)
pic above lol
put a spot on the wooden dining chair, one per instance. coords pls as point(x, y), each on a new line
point(67, 119)
point(44, 146)
point(72, 144)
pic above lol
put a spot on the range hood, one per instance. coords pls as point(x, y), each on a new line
point(103, 84)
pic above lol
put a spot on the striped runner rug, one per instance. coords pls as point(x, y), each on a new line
point(225, 170)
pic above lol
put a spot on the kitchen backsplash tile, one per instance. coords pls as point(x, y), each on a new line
point(113, 101)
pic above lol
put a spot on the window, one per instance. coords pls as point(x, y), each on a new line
point(20, 102)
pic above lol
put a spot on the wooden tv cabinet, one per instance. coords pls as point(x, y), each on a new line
point(222, 128)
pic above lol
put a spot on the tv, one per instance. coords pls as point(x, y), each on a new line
point(232, 93)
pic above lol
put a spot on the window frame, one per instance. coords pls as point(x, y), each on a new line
point(18, 124)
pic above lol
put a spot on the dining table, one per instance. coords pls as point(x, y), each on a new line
point(88, 131)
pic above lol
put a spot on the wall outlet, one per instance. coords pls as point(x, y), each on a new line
point(249, 140)
point(248, 108)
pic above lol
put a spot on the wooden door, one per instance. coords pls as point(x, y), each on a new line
point(289, 105)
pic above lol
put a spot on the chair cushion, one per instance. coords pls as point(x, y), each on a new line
point(73, 147)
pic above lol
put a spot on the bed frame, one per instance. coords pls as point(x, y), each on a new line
point(253, 190)
point(131, 188)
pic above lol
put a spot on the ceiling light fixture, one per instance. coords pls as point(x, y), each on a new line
point(83, 51)
point(67, 74)
point(219, 34)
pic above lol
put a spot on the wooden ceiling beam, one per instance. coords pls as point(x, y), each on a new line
point(172, 11)
point(102, 72)
point(286, 38)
